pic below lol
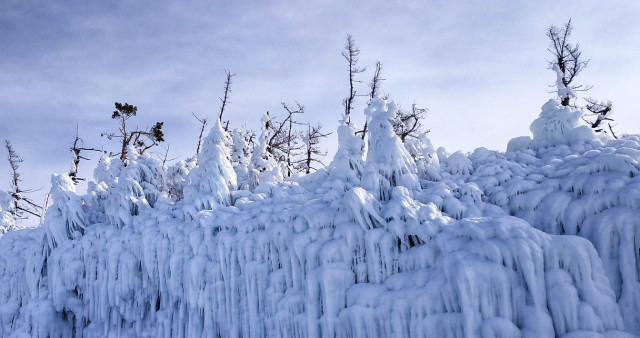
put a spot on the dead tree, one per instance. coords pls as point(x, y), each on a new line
point(351, 53)
point(601, 110)
point(164, 157)
point(21, 205)
point(292, 136)
point(409, 123)
point(143, 140)
point(375, 88)
point(76, 149)
point(204, 125)
point(283, 140)
point(567, 62)
point(225, 99)
point(312, 151)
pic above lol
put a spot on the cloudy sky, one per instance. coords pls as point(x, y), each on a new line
point(479, 66)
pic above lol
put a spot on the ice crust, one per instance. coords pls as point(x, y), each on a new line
point(541, 241)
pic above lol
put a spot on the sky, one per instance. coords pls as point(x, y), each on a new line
point(480, 67)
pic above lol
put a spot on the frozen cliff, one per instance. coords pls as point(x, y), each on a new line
point(540, 241)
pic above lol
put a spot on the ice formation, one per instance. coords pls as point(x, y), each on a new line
point(7, 222)
point(263, 168)
point(213, 179)
point(540, 241)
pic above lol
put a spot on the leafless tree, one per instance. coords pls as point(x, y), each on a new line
point(312, 151)
point(76, 149)
point(203, 122)
point(164, 157)
point(351, 53)
point(22, 206)
point(143, 140)
point(601, 110)
point(567, 59)
point(283, 142)
point(409, 123)
point(376, 81)
point(227, 90)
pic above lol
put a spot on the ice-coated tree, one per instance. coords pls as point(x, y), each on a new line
point(389, 164)
point(347, 164)
point(213, 179)
point(65, 218)
point(240, 155)
point(425, 156)
point(263, 168)
point(128, 191)
point(567, 62)
point(374, 85)
point(142, 140)
point(178, 176)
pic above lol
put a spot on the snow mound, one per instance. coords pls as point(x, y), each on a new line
point(558, 125)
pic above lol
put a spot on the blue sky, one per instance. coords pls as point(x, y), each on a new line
point(479, 66)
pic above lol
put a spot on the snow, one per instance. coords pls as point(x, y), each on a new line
point(7, 222)
point(539, 241)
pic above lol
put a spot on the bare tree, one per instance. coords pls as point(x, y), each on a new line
point(409, 123)
point(227, 90)
point(312, 151)
point(283, 141)
point(76, 149)
point(601, 110)
point(351, 53)
point(292, 137)
point(567, 62)
point(164, 157)
point(22, 206)
point(202, 121)
point(143, 140)
point(376, 81)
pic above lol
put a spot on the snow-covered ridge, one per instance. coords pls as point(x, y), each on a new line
point(412, 242)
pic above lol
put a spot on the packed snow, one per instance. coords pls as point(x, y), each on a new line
point(540, 241)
